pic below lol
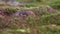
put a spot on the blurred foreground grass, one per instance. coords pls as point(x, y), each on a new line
point(44, 24)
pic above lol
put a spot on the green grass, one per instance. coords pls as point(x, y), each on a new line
point(31, 5)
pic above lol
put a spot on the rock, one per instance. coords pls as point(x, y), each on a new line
point(12, 3)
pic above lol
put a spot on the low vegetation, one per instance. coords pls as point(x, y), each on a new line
point(19, 20)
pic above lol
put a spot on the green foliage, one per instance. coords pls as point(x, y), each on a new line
point(57, 1)
point(13, 10)
point(54, 4)
point(39, 0)
point(23, 0)
point(50, 19)
point(31, 5)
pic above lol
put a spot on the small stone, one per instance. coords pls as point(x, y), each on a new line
point(12, 3)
